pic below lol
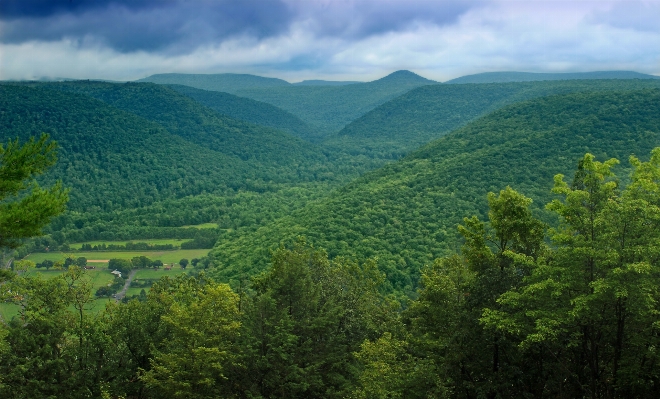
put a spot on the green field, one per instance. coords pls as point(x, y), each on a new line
point(164, 256)
point(157, 241)
point(101, 276)
point(97, 277)
point(203, 226)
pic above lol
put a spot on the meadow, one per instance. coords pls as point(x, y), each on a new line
point(100, 258)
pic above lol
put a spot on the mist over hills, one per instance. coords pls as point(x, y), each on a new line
point(330, 108)
point(502, 77)
point(226, 82)
point(423, 114)
point(406, 212)
point(324, 83)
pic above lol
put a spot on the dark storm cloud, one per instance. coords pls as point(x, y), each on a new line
point(180, 26)
point(363, 18)
point(169, 26)
point(10, 9)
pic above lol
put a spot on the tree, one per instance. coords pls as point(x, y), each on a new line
point(203, 325)
point(25, 208)
point(122, 265)
point(81, 261)
point(183, 263)
point(591, 304)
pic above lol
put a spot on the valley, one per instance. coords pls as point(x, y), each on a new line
point(312, 235)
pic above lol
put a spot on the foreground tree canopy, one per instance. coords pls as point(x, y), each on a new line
point(25, 208)
point(523, 311)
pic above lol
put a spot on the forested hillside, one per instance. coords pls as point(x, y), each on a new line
point(501, 77)
point(227, 82)
point(330, 108)
point(429, 112)
point(316, 82)
point(144, 166)
point(248, 110)
point(406, 213)
point(198, 124)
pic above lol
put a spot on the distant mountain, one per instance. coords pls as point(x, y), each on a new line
point(406, 213)
point(324, 83)
point(330, 108)
point(421, 115)
point(227, 82)
point(248, 110)
point(501, 77)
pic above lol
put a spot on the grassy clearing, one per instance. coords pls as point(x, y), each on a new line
point(203, 226)
point(164, 256)
point(97, 277)
point(160, 241)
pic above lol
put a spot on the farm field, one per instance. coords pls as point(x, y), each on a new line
point(156, 241)
point(203, 226)
point(164, 256)
point(97, 277)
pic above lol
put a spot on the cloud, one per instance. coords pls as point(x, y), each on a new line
point(323, 39)
point(126, 26)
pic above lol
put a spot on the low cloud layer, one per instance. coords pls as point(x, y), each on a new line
point(332, 39)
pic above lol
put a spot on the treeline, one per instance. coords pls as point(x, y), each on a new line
point(129, 246)
point(523, 311)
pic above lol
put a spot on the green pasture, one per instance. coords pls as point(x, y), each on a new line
point(156, 241)
point(97, 277)
point(164, 256)
point(203, 226)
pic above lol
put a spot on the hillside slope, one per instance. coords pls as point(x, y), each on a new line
point(406, 213)
point(248, 110)
point(427, 113)
point(112, 159)
point(278, 155)
point(330, 108)
point(226, 82)
point(501, 77)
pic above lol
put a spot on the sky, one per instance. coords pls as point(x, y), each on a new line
point(323, 39)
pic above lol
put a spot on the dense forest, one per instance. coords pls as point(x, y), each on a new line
point(399, 238)
point(406, 213)
point(512, 315)
point(429, 112)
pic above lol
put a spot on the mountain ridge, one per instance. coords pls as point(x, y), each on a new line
point(513, 76)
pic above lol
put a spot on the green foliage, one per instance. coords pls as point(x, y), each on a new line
point(305, 318)
point(121, 265)
point(330, 108)
point(248, 110)
point(426, 113)
point(593, 304)
point(407, 212)
point(23, 214)
point(137, 159)
point(196, 359)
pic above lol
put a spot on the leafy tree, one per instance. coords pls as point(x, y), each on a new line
point(183, 263)
point(122, 265)
point(592, 304)
point(141, 262)
point(24, 214)
point(203, 324)
point(307, 317)
point(81, 261)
